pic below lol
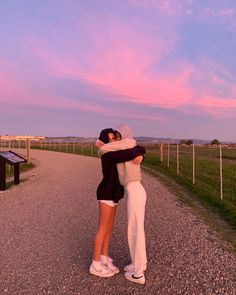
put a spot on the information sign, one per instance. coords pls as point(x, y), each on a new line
point(13, 159)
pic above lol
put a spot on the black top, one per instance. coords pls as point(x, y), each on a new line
point(110, 187)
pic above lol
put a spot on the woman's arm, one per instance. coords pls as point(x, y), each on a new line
point(124, 155)
point(123, 144)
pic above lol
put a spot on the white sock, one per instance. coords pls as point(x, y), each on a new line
point(96, 264)
point(103, 259)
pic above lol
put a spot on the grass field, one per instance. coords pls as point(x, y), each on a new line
point(23, 167)
point(207, 174)
point(10, 173)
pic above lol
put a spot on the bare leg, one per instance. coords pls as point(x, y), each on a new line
point(107, 237)
point(105, 215)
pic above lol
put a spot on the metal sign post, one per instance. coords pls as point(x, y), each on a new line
point(2, 175)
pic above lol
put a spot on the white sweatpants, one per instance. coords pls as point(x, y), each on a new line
point(136, 202)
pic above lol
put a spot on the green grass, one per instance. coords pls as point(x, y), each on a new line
point(10, 173)
point(207, 177)
point(23, 167)
point(207, 212)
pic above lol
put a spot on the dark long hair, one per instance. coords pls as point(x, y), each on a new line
point(104, 135)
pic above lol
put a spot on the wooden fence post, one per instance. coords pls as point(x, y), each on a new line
point(28, 151)
point(193, 164)
point(161, 151)
point(177, 159)
point(168, 155)
point(221, 174)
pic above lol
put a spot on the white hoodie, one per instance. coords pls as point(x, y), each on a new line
point(127, 171)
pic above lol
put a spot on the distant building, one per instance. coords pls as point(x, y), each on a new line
point(21, 137)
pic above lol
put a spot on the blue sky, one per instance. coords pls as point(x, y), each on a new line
point(166, 68)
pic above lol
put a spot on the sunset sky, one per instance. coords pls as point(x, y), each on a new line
point(73, 67)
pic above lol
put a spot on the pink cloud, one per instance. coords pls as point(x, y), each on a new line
point(218, 102)
point(167, 7)
point(226, 12)
point(215, 12)
point(218, 95)
point(217, 107)
point(219, 98)
point(8, 84)
point(14, 92)
point(218, 77)
point(215, 67)
point(3, 82)
point(53, 102)
point(125, 72)
point(132, 84)
point(172, 90)
point(120, 64)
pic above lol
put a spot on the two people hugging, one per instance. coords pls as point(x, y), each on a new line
point(120, 158)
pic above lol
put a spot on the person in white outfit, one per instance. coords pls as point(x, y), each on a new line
point(130, 177)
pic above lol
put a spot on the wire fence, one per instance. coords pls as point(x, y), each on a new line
point(209, 169)
point(84, 148)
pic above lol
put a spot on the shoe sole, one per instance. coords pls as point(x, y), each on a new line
point(134, 281)
point(116, 271)
point(107, 275)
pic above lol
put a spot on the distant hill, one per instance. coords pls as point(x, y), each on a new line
point(146, 139)
point(70, 139)
point(168, 140)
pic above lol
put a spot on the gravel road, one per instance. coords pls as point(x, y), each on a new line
point(48, 223)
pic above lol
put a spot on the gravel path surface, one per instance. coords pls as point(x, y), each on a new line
point(48, 223)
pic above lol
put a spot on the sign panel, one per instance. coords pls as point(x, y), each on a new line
point(12, 157)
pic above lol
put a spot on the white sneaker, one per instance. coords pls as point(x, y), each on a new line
point(138, 280)
point(108, 262)
point(130, 268)
point(102, 271)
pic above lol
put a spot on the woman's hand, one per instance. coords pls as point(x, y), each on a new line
point(137, 160)
point(98, 144)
